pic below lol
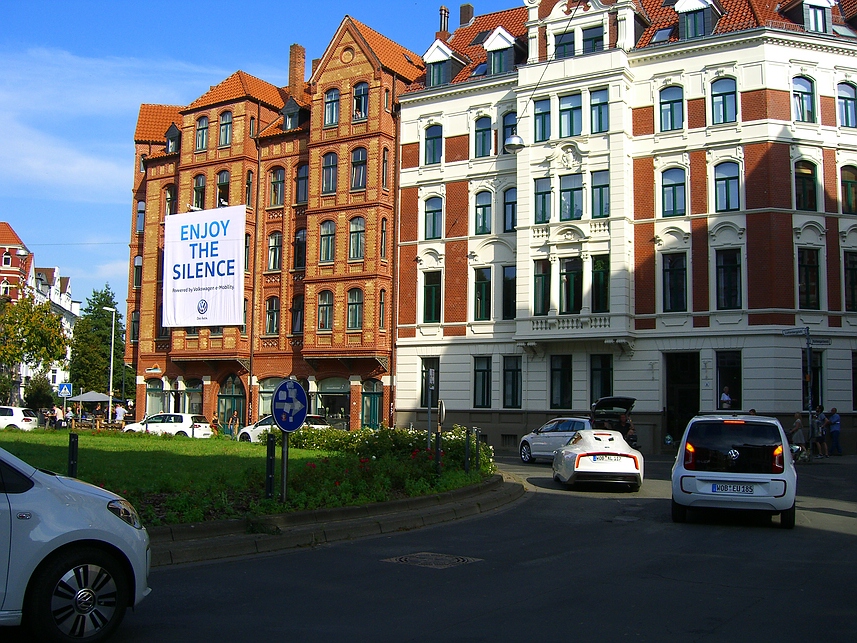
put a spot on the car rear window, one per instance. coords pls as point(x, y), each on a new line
point(735, 446)
point(30, 413)
point(198, 419)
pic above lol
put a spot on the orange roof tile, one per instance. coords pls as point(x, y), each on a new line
point(512, 20)
point(154, 121)
point(8, 237)
point(65, 282)
point(48, 273)
point(241, 85)
point(393, 56)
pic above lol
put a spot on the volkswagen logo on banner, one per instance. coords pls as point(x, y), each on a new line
point(202, 307)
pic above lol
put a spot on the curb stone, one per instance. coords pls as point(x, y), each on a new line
point(176, 544)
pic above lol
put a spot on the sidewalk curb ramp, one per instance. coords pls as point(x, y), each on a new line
point(194, 542)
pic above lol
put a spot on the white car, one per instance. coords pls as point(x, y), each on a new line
point(16, 417)
point(734, 462)
point(549, 437)
point(253, 432)
point(183, 424)
point(596, 455)
point(73, 556)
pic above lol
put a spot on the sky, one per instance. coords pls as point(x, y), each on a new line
point(74, 73)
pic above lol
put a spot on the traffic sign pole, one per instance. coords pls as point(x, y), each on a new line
point(289, 408)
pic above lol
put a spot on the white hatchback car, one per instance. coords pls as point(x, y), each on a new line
point(598, 456)
point(549, 437)
point(183, 424)
point(253, 432)
point(73, 556)
point(16, 417)
point(734, 462)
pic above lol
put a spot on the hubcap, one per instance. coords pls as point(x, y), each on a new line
point(84, 601)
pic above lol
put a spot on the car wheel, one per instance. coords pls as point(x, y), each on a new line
point(80, 595)
point(11, 426)
point(244, 437)
point(181, 433)
point(679, 512)
point(129, 431)
point(526, 453)
point(787, 518)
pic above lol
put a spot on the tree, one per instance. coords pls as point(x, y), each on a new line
point(38, 393)
point(89, 368)
point(30, 333)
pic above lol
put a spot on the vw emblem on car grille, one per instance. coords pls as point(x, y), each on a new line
point(202, 307)
point(733, 454)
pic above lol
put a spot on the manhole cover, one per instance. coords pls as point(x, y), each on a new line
point(430, 559)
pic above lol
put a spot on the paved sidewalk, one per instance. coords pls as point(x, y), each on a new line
point(195, 542)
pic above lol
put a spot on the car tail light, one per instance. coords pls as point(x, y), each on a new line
point(777, 464)
point(689, 456)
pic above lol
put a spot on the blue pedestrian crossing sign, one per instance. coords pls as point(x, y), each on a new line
point(64, 389)
point(289, 406)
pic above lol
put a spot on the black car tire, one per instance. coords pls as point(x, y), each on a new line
point(79, 595)
point(181, 433)
point(634, 488)
point(526, 454)
point(11, 426)
point(244, 437)
point(787, 518)
point(679, 512)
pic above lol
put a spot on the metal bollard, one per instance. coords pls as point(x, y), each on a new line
point(270, 461)
point(467, 450)
point(478, 433)
point(72, 455)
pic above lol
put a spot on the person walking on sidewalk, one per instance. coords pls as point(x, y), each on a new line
point(834, 424)
point(232, 425)
point(821, 433)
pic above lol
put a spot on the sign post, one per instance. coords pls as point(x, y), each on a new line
point(807, 376)
point(289, 410)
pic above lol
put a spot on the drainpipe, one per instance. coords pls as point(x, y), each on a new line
point(253, 264)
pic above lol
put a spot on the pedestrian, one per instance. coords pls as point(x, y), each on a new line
point(752, 411)
point(99, 415)
point(214, 424)
point(59, 418)
point(796, 434)
point(232, 426)
point(120, 415)
point(821, 433)
point(725, 399)
point(834, 424)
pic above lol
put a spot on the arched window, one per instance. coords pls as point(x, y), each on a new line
point(134, 331)
point(803, 98)
point(510, 127)
point(201, 134)
point(849, 189)
point(278, 185)
point(483, 213)
point(331, 107)
point(510, 210)
point(170, 202)
point(272, 316)
point(301, 183)
point(325, 310)
point(141, 215)
point(248, 188)
point(298, 315)
point(275, 251)
point(434, 144)
point(156, 397)
point(300, 249)
point(382, 309)
point(199, 191)
point(246, 253)
point(358, 169)
point(846, 100)
point(138, 271)
point(355, 309)
point(7, 259)
point(329, 164)
point(385, 168)
point(222, 189)
point(225, 129)
point(434, 217)
point(361, 101)
point(673, 193)
point(383, 243)
point(5, 288)
point(726, 187)
point(805, 189)
point(356, 238)
point(483, 137)
point(724, 101)
point(672, 109)
point(327, 242)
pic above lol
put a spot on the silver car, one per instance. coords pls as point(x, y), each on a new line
point(551, 436)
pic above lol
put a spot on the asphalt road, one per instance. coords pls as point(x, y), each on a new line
point(592, 564)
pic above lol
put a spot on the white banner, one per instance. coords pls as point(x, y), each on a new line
point(204, 268)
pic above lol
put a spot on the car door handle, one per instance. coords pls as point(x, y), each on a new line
point(24, 515)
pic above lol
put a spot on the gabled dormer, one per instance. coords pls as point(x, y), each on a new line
point(293, 115)
point(696, 18)
point(816, 16)
point(173, 137)
point(501, 49)
point(442, 64)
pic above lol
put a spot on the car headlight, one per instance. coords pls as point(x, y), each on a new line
point(125, 510)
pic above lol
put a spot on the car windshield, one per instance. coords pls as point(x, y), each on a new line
point(315, 421)
point(734, 445)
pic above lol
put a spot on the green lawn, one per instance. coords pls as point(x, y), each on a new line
point(172, 480)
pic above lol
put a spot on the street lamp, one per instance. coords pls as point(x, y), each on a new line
point(110, 383)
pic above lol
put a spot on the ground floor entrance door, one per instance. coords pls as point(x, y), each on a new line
point(682, 391)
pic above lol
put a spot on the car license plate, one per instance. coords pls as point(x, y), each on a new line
point(607, 458)
point(733, 488)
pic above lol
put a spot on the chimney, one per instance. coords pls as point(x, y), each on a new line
point(443, 33)
point(465, 15)
point(297, 69)
point(315, 63)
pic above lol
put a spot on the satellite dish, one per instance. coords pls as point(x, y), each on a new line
point(514, 144)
